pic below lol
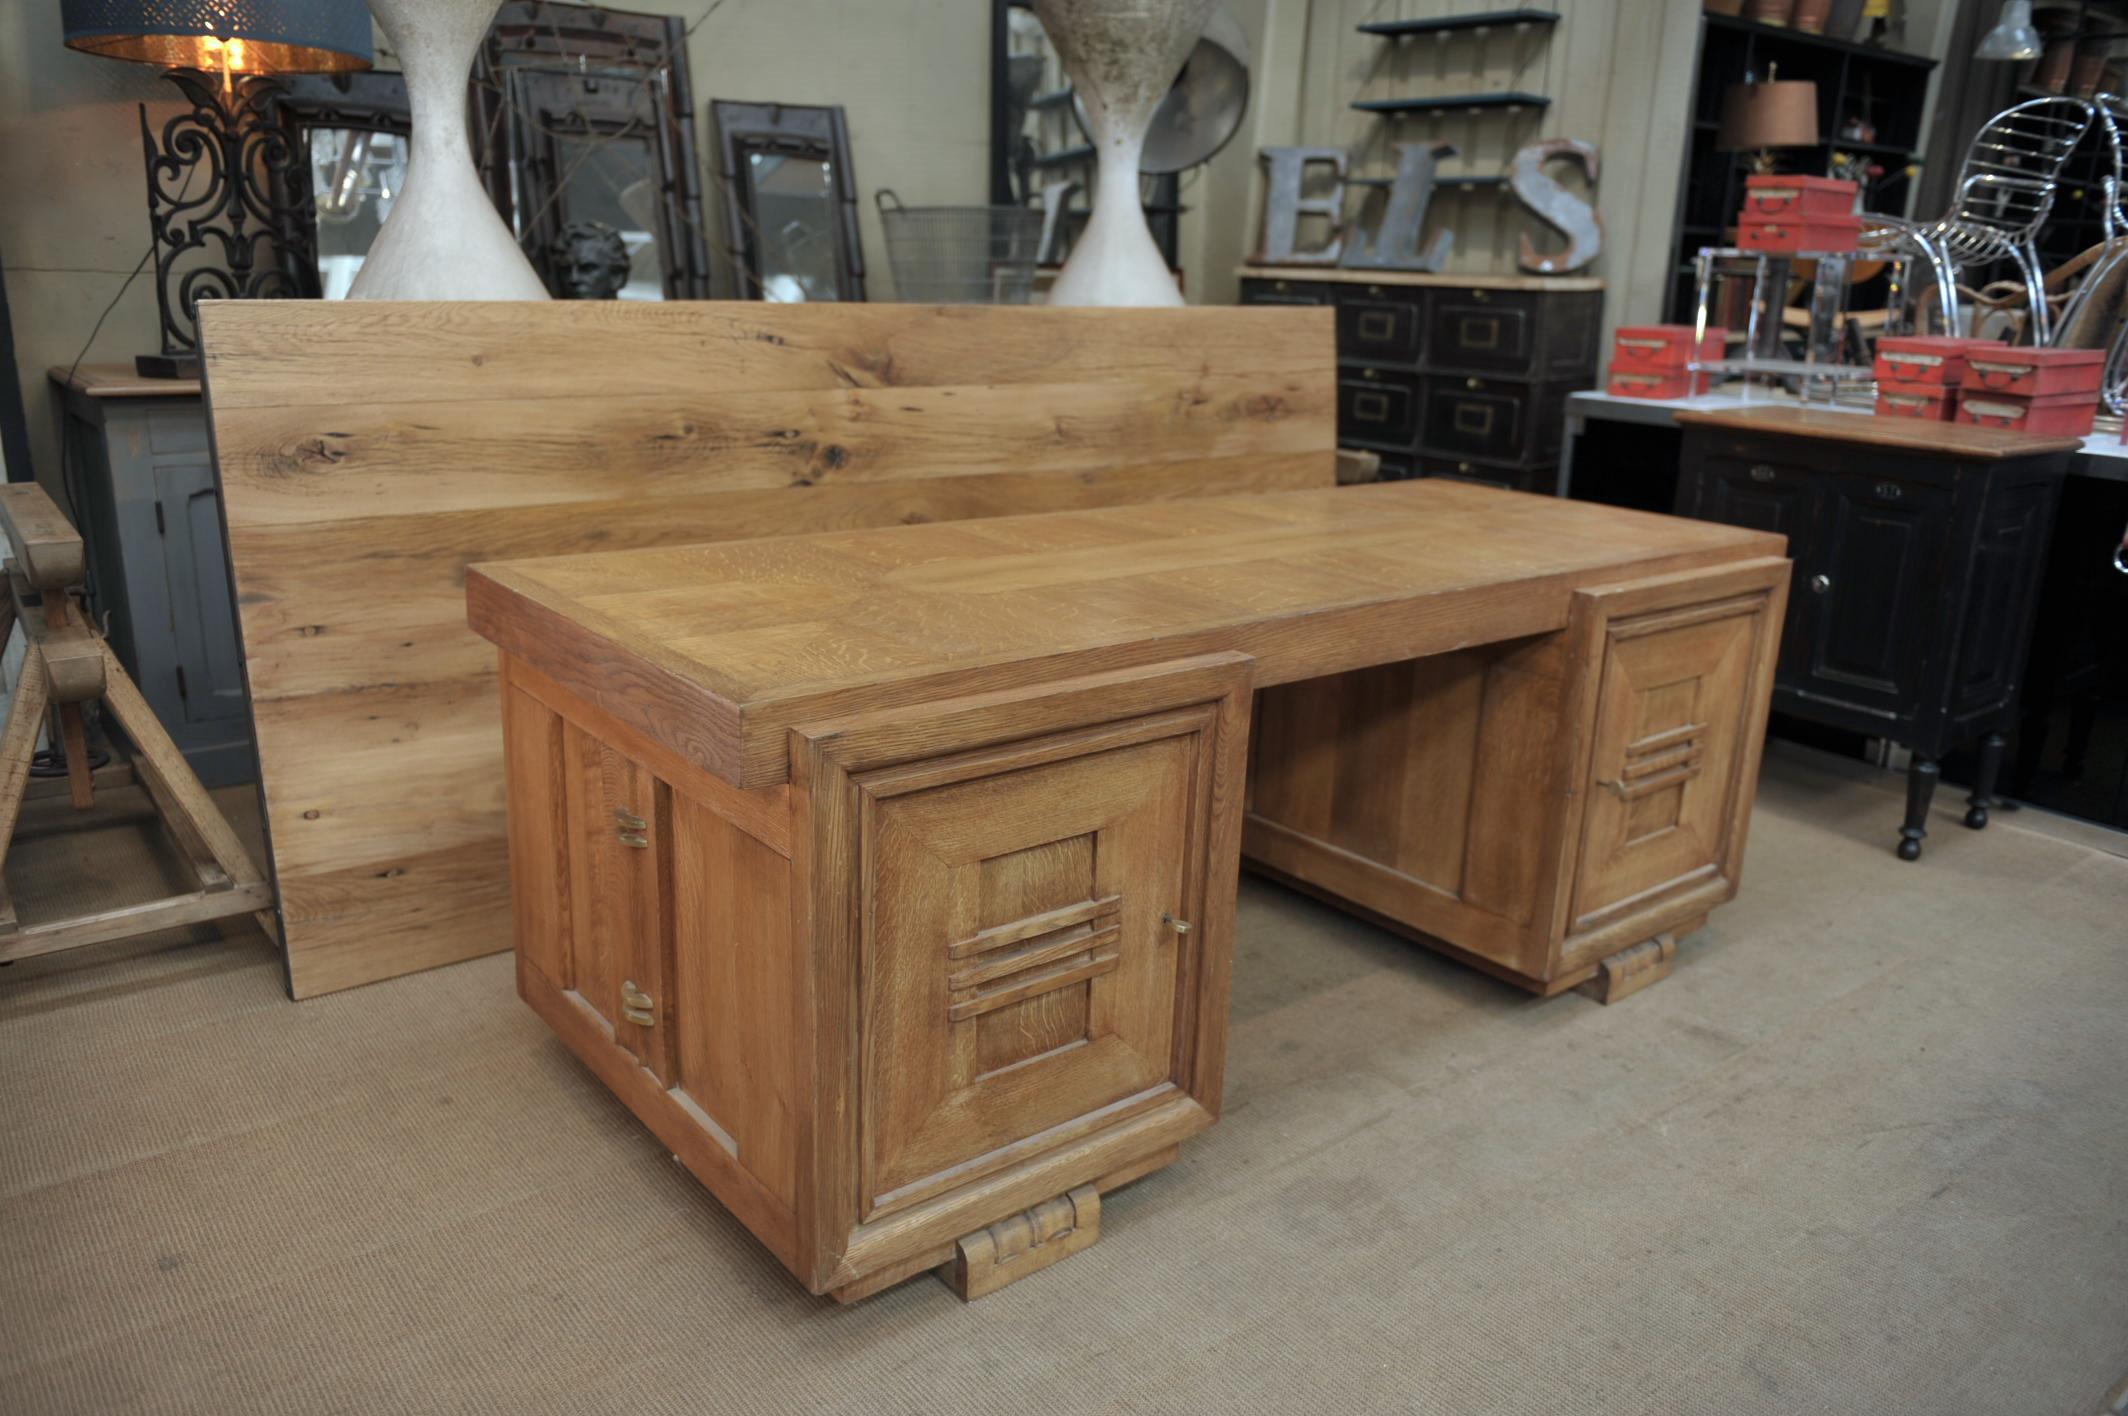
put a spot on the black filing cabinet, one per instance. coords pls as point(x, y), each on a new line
point(1452, 376)
point(1917, 574)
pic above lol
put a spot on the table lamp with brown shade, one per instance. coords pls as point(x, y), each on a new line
point(1759, 117)
point(249, 233)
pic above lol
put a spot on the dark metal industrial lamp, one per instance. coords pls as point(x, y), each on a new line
point(248, 234)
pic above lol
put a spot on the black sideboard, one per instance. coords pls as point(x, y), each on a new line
point(1919, 550)
point(1462, 376)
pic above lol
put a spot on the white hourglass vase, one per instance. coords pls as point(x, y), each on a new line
point(1121, 56)
point(444, 239)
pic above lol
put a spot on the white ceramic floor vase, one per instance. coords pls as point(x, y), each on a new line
point(444, 239)
point(1121, 56)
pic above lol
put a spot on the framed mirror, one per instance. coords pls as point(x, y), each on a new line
point(349, 132)
point(790, 201)
point(586, 128)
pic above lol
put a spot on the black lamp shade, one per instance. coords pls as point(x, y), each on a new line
point(276, 36)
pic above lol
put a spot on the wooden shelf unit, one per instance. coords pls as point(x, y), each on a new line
point(1883, 87)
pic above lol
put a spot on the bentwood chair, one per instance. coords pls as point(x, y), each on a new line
point(2006, 189)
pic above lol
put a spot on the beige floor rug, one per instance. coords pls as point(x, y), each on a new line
point(1865, 1151)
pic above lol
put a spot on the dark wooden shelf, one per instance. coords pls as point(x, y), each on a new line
point(1817, 41)
point(1483, 19)
point(1437, 105)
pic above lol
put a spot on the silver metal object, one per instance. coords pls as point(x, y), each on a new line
point(1555, 206)
point(1396, 241)
point(1284, 205)
point(959, 255)
point(2005, 192)
point(1819, 584)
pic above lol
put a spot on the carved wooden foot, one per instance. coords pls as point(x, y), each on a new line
point(1024, 1243)
point(1628, 971)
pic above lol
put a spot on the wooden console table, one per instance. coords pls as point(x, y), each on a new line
point(888, 876)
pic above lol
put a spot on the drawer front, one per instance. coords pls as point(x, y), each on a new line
point(1286, 292)
point(1679, 720)
point(1542, 478)
point(1486, 419)
point(1483, 331)
point(1039, 922)
point(1380, 323)
point(1378, 406)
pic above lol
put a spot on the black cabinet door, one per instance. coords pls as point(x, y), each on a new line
point(1781, 497)
point(1871, 592)
point(2014, 527)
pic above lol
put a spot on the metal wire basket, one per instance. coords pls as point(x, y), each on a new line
point(960, 255)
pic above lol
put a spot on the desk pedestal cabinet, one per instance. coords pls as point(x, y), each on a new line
point(920, 1005)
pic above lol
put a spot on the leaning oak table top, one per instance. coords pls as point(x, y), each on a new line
point(716, 651)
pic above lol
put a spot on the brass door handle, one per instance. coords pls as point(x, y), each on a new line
point(1180, 926)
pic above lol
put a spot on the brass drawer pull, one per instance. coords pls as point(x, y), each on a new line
point(1180, 926)
point(1890, 491)
point(1762, 473)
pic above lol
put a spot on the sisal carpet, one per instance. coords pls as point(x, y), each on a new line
point(1865, 1151)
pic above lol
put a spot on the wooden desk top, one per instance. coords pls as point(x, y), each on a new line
point(119, 381)
point(717, 650)
point(1959, 440)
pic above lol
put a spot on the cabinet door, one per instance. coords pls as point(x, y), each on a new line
point(620, 931)
point(1871, 591)
point(1683, 671)
point(1042, 925)
point(202, 622)
point(1768, 495)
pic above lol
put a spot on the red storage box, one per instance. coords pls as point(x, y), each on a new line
point(1925, 358)
point(2034, 373)
point(1932, 401)
point(2067, 414)
point(1672, 383)
point(1828, 234)
point(1773, 197)
point(1656, 349)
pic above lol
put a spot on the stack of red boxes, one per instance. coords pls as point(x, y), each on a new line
point(1790, 214)
point(2032, 390)
point(1918, 375)
point(1648, 361)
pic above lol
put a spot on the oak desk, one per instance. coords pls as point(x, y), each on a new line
point(889, 875)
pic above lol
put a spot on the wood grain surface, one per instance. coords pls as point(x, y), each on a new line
point(369, 453)
point(717, 651)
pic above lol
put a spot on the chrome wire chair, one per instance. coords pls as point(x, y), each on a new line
point(2005, 192)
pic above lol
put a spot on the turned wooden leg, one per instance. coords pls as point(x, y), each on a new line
point(1920, 789)
point(1983, 797)
point(1024, 1243)
point(1628, 971)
